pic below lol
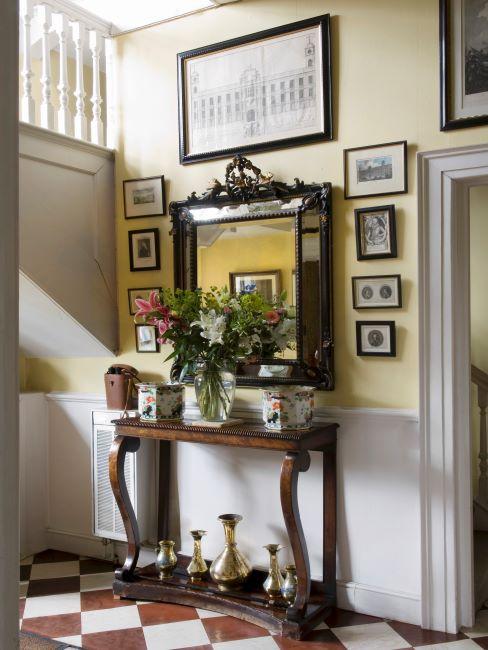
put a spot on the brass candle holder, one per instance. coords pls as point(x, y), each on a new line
point(274, 582)
point(289, 589)
point(197, 567)
point(166, 558)
point(230, 569)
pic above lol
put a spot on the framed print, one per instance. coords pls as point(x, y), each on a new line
point(376, 170)
point(463, 63)
point(267, 283)
point(146, 338)
point(144, 250)
point(267, 90)
point(143, 293)
point(375, 232)
point(144, 197)
point(376, 338)
point(377, 292)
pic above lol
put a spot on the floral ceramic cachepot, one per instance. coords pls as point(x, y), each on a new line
point(288, 407)
point(160, 401)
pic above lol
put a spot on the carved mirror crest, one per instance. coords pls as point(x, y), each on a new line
point(252, 233)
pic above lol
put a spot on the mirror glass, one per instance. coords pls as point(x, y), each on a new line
point(310, 282)
point(244, 209)
point(252, 257)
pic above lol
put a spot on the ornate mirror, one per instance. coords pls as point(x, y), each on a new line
point(254, 234)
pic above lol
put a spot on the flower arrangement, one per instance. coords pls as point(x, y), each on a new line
point(217, 328)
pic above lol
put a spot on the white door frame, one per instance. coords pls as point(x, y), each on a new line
point(9, 359)
point(444, 179)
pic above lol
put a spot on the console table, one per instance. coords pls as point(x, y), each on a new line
point(313, 598)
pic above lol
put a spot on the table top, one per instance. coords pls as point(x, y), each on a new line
point(238, 435)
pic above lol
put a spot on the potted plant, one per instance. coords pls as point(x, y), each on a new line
point(210, 331)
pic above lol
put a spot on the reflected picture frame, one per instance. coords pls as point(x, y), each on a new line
point(248, 282)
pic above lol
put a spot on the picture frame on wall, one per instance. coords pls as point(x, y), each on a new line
point(375, 232)
point(267, 90)
point(267, 283)
point(146, 338)
point(376, 170)
point(144, 197)
point(376, 338)
point(463, 63)
point(144, 250)
point(377, 292)
point(141, 293)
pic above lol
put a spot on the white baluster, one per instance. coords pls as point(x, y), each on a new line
point(65, 118)
point(47, 110)
point(110, 90)
point(96, 131)
point(80, 117)
point(483, 455)
point(27, 105)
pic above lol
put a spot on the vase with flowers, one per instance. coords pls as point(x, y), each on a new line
point(211, 331)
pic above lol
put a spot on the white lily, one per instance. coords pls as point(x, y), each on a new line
point(212, 326)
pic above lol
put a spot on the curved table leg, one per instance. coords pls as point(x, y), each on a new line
point(293, 464)
point(120, 446)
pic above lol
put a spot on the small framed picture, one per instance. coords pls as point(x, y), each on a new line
point(377, 292)
point(144, 197)
point(144, 250)
point(376, 170)
point(143, 293)
point(375, 232)
point(146, 338)
point(267, 283)
point(376, 338)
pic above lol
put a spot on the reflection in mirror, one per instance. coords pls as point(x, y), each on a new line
point(250, 257)
point(310, 282)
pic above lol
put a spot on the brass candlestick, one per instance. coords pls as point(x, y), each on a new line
point(289, 589)
point(197, 567)
point(166, 559)
point(274, 582)
point(230, 569)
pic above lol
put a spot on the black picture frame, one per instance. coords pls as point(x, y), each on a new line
point(447, 122)
point(380, 323)
point(156, 344)
point(325, 134)
point(129, 291)
point(146, 178)
point(157, 265)
point(403, 143)
point(390, 209)
point(396, 277)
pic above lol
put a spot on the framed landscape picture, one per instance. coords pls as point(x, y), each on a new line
point(144, 250)
point(143, 293)
point(375, 170)
point(463, 63)
point(267, 283)
point(377, 292)
point(375, 232)
point(267, 90)
point(144, 197)
point(376, 338)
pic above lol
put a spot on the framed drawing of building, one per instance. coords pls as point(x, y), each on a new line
point(263, 91)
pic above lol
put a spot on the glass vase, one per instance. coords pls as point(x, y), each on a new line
point(215, 391)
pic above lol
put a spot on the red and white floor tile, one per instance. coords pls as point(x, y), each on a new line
point(68, 598)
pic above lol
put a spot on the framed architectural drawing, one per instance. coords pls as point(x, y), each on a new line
point(463, 63)
point(375, 232)
point(375, 170)
point(144, 197)
point(263, 91)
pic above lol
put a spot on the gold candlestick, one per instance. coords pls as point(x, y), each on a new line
point(289, 589)
point(197, 567)
point(274, 582)
point(166, 559)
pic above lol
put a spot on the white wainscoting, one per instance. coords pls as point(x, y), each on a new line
point(378, 499)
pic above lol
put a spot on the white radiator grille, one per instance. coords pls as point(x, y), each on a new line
point(108, 522)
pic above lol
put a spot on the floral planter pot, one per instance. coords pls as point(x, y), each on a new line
point(160, 401)
point(288, 407)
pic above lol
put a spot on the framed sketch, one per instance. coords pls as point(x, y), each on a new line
point(143, 293)
point(377, 292)
point(146, 338)
point(463, 63)
point(375, 232)
point(376, 338)
point(144, 250)
point(267, 90)
point(144, 197)
point(267, 283)
point(376, 170)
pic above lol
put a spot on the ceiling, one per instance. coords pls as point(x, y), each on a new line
point(126, 15)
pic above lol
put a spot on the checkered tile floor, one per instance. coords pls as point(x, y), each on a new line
point(69, 598)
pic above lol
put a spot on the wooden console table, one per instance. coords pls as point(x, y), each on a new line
point(313, 598)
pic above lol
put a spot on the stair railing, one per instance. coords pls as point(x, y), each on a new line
point(480, 379)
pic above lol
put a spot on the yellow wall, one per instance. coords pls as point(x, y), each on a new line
point(386, 88)
point(478, 213)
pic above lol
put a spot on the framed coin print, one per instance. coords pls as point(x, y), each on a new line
point(375, 232)
point(376, 338)
point(377, 292)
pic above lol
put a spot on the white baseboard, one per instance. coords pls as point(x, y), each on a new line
point(375, 601)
